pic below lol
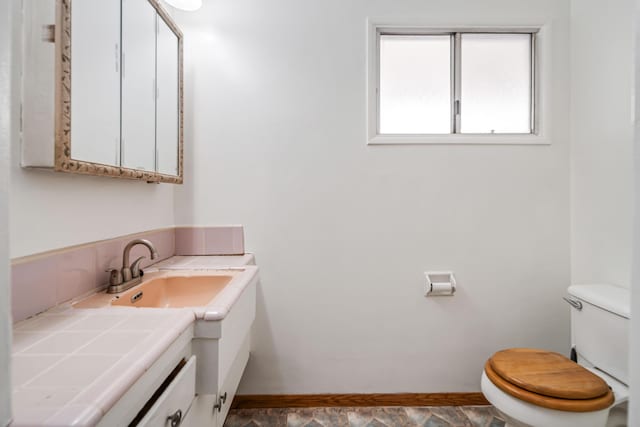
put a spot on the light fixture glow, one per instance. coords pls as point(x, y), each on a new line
point(188, 5)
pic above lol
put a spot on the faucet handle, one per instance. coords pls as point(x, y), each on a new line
point(135, 267)
point(115, 276)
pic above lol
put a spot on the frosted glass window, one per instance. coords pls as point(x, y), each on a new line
point(495, 83)
point(439, 82)
point(415, 84)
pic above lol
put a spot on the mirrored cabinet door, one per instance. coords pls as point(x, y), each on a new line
point(167, 104)
point(138, 85)
point(95, 86)
point(104, 86)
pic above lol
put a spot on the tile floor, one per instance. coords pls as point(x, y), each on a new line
point(442, 416)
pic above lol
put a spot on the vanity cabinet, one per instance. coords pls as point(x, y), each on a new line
point(222, 348)
point(102, 89)
point(216, 352)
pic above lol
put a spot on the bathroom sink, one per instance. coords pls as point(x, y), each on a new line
point(174, 291)
point(210, 293)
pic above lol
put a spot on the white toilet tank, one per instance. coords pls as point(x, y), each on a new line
point(600, 328)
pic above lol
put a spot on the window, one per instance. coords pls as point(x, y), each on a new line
point(455, 83)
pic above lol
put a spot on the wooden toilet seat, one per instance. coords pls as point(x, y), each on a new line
point(548, 379)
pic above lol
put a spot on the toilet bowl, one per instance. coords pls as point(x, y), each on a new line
point(539, 388)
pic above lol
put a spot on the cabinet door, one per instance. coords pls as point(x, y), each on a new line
point(138, 84)
point(95, 82)
point(167, 106)
point(202, 412)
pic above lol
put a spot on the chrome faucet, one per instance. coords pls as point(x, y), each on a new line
point(129, 275)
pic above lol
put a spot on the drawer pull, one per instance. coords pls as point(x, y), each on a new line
point(176, 418)
point(223, 398)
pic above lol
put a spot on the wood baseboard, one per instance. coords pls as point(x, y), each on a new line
point(356, 400)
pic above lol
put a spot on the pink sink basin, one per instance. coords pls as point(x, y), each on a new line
point(174, 291)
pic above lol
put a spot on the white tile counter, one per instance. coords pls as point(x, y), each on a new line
point(204, 262)
point(70, 367)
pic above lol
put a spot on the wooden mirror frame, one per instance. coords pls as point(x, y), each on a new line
point(63, 160)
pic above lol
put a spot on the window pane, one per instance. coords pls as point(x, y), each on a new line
point(415, 84)
point(496, 83)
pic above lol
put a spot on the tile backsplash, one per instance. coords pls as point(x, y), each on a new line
point(42, 281)
point(210, 240)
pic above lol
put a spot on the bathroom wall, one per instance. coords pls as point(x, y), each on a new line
point(5, 135)
point(601, 141)
point(343, 231)
point(634, 356)
point(634, 405)
point(51, 210)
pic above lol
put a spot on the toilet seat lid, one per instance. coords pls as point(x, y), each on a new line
point(547, 373)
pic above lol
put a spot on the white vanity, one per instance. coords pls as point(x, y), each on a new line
point(215, 357)
point(150, 366)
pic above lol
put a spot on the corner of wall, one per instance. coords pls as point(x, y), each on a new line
point(5, 136)
point(634, 405)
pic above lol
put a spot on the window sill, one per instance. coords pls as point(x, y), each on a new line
point(504, 139)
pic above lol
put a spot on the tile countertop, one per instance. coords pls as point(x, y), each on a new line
point(70, 366)
point(203, 262)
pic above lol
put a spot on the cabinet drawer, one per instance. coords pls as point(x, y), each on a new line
point(177, 397)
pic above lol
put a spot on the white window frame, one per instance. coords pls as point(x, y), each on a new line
point(539, 108)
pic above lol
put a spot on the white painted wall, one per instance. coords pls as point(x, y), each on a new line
point(51, 210)
point(343, 231)
point(5, 135)
point(602, 141)
point(634, 404)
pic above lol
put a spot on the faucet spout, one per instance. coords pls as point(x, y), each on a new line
point(131, 244)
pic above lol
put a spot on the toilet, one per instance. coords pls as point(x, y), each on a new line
point(539, 388)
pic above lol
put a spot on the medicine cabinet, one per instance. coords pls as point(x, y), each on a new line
point(114, 106)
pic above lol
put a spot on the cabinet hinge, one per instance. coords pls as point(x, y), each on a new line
point(49, 33)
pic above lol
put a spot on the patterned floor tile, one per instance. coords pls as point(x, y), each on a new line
point(256, 418)
point(318, 417)
point(378, 417)
point(497, 422)
point(443, 416)
point(483, 416)
point(436, 421)
point(448, 416)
